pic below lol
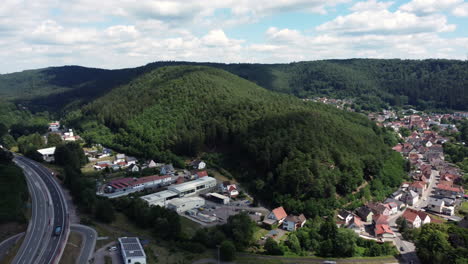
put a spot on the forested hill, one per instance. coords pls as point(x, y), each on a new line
point(373, 83)
point(285, 150)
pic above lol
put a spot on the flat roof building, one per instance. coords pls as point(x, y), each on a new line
point(159, 198)
point(193, 187)
point(132, 251)
point(184, 204)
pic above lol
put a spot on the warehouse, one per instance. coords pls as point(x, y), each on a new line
point(159, 198)
point(181, 205)
point(132, 251)
point(219, 198)
point(193, 187)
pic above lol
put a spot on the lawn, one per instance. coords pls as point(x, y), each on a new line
point(72, 250)
point(463, 209)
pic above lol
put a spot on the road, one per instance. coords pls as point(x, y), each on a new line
point(7, 244)
point(49, 210)
point(89, 236)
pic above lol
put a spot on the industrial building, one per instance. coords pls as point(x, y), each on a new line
point(48, 154)
point(193, 187)
point(219, 198)
point(181, 205)
point(159, 198)
point(136, 184)
point(132, 251)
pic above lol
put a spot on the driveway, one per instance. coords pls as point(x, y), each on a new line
point(100, 253)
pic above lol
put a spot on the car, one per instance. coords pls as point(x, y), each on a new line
point(57, 231)
point(402, 249)
point(114, 248)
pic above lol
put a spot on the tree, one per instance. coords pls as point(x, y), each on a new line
point(227, 251)
point(293, 243)
point(272, 247)
point(53, 139)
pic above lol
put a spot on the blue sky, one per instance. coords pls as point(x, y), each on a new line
point(127, 33)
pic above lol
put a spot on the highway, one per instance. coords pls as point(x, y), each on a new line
point(49, 210)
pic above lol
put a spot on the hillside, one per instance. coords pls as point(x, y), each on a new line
point(373, 83)
point(285, 150)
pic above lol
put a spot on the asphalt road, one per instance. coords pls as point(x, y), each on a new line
point(89, 236)
point(49, 210)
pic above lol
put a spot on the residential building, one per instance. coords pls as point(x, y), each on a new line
point(345, 216)
point(379, 208)
point(383, 231)
point(356, 224)
point(277, 215)
point(293, 222)
point(418, 187)
point(411, 197)
point(132, 251)
point(412, 218)
point(167, 169)
point(379, 219)
point(365, 213)
point(198, 164)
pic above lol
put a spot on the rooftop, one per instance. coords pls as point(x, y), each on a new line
point(131, 247)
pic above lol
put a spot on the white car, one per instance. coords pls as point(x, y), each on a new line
point(113, 248)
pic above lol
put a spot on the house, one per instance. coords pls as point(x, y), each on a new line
point(48, 154)
point(119, 158)
point(400, 204)
point(198, 164)
point(100, 165)
point(418, 187)
point(393, 207)
point(293, 222)
point(134, 168)
point(449, 190)
point(379, 208)
point(439, 206)
point(356, 224)
point(365, 213)
point(277, 215)
point(411, 197)
point(383, 231)
point(200, 174)
point(379, 219)
point(153, 164)
point(232, 190)
point(412, 218)
point(167, 169)
point(54, 126)
point(345, 216)
point(131, 160)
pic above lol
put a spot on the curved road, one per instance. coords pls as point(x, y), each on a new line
point(49, 210)
point(89, 236)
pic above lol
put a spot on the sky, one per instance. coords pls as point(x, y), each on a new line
point(127, 33)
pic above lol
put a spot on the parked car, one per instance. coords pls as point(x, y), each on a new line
point(114, 248)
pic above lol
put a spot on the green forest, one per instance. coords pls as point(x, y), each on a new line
point(372, 83)
point(287, 151)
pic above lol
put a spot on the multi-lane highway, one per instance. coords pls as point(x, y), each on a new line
point(49, 211)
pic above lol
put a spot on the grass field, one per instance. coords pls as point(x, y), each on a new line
point(72, 250)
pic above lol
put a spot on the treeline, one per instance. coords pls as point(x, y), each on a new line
point(372, 83)
point(14, 190)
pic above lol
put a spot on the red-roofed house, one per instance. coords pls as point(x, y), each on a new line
point(277, 215)
point(398, 148)
point(418, 186)
point(356, 224)
point(412, 218)
point(201, 174)
point(448, 190)
point(380, 220)
point(383, 231)
point(232, 190)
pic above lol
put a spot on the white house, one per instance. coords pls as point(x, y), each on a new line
point(345, 216)
point(412, 218)
point(119, 158)
point(411, 197)
point(198, 164)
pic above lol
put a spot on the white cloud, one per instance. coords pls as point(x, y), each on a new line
point(461, 10)
point(384, 22)
point(425, 7)
point(370, 5)
point(50, 32)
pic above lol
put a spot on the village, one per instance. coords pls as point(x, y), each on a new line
point(432, 195)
